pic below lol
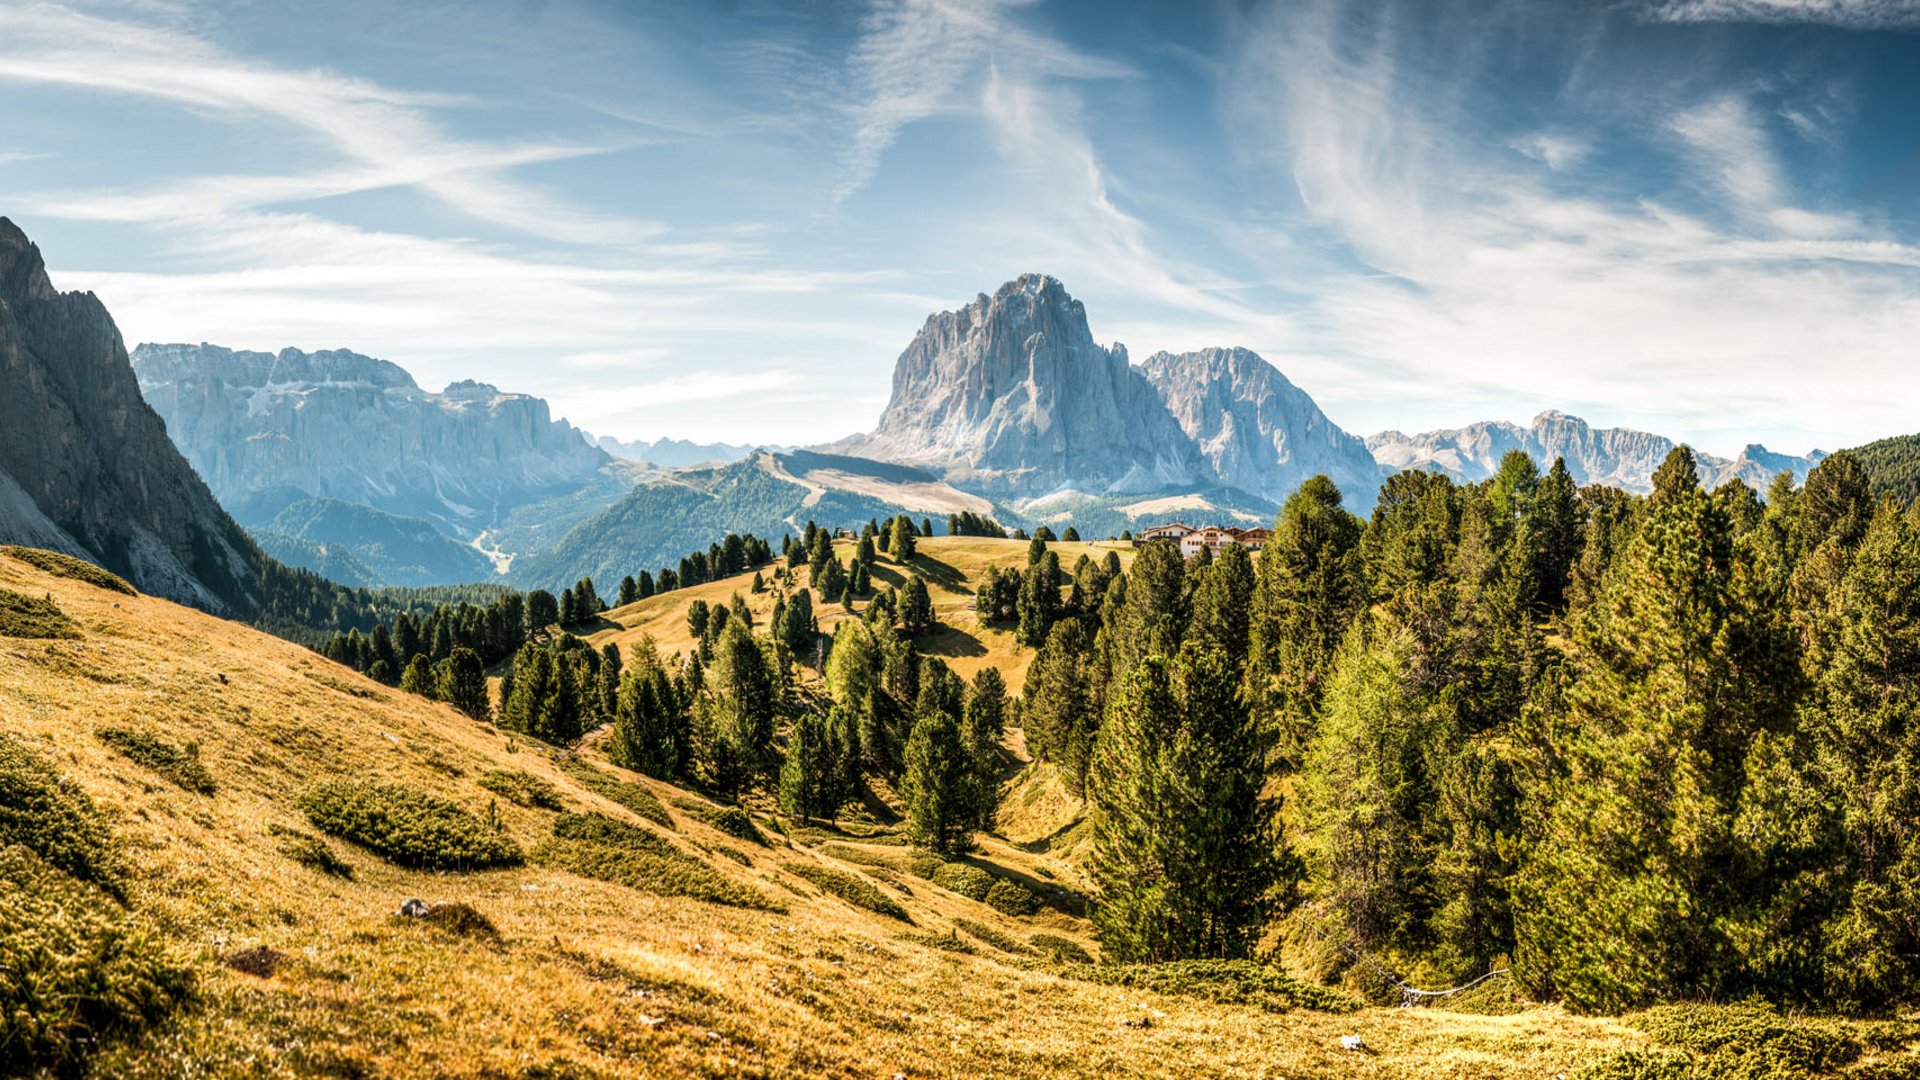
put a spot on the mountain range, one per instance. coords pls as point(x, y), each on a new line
point(266, 430)
point(1008, 406)
point(1619, 457)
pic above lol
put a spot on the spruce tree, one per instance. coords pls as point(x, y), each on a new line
point(1183, 836)
point(916, 606)
point(1307, 589)
point(809, 784)
point(1061, 721)
point(935, 785)
point(418, 678)
point(542, 611)
point(1039, 599)
point(984, 725)
point(900, 540)
point(464, 685)
point(629, 590)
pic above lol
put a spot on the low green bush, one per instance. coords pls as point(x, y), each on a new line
point(55, 820)
point(178, 765)
point(599, 847)
point(969, 881)
point(67, 566)
point(859, 856)
point(635, 797)
point(947, 942)
point(1063, 950)
point(75, 966)
point(1226, 982)
point(521, 789)
point(1011, 898)
point(407, 826)
point(24, 616)
point(1752, 1040)
point(856, 891)
point(310, 851)
point(924, 864)
point(1006, 943)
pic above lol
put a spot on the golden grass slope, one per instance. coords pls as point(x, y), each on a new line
point(588, 978)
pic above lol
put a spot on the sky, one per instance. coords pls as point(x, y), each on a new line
point(724, 220)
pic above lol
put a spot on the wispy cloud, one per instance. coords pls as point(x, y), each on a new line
point(1850, 14)
point(1725, 312)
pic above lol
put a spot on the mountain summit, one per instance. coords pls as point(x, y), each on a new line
point(1011, 395)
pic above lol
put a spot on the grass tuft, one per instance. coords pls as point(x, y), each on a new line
point(23, 616)
point(856, 891)
point(179, 765)
point(407, 826)
point(67, 566)
point(48, 815)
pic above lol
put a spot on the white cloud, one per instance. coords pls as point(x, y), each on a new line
point(1751, 313)
point(1558, 151)
point(1850, 14)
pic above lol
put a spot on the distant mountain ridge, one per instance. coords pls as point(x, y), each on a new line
point(674, 453)
point(1620, 457)
point(269, 429)
point(86, 466)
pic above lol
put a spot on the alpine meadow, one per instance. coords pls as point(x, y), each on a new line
point(586, 540)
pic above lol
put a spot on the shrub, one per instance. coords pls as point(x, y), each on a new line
point(1750, 1039)
point(735, 823)
point(924, 864)
point(23, 616)
point(858, 856)
point(521, 789)
point(176, 764)
point(54, 819)
point(1006, 943)
point(1011, 898)
point(969, 881)
point(1226, 982)
point(407, 826)
point(856, 891)
point(1063, 950)
point(310, 851)
point(599, 847)
point(74, 966)
point(67, 566)
point(635, 797)
point(947, 942)
point(463, 920)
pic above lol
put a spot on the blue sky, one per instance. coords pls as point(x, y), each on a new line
point(724, 220)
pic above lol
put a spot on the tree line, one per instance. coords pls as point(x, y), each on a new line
point(1637, 748)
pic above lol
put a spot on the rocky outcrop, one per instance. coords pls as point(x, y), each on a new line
point(1620, 457)
point(1258, 431)
point(268, 429)
point(1011, 396)
point(86, 465)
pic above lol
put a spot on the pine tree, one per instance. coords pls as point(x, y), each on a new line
point(809, 784)
point(1183, 836)
point(1071, 536)
point(542, 611)
point(1039, 599)
point(916, 606)
point(744, 703)
point(464, 685)
point(1222, 602)
point(935, 785)
point(800, 629)
point(698, 615)
point(418, 678)
point(1307, 589)
point(984, 725)
point(1061, 721)
point(900, 546)
point(1036, 550)
point(629, 590)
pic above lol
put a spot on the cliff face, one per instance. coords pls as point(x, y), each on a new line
point(85, 465)
point(1258, 431)
point(1011, 395)
point(1620, 457)
point(267, 430)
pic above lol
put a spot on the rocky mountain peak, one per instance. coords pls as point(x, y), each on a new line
point(1011, 393)
point(22, 273)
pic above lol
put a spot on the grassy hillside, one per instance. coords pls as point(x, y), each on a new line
point(302, 967)
point(951, 566)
